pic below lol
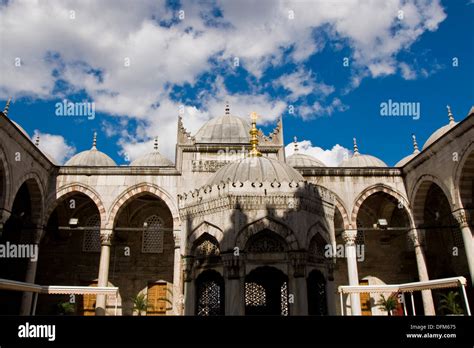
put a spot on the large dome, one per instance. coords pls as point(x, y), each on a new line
point(359, 160)
point(441, 131)
point(255, 169)
point(152, 159)
point(91, 158)
point(224, 129)
point(298, 160)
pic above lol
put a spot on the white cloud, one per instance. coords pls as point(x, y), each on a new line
point(302, 83)
point(330, 157)
point(54, 146)
point(407, 72)
point(317, 109)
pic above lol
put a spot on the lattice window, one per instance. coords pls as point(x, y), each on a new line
point(457, 238)
point(91, 241)
point(255, 295)
point(207, 249)
point(266, 243)
point(152, 237)
point(284, 298)
point(360, 239)
point(209, 298)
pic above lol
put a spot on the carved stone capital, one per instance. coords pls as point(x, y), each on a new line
point(188, 262)
point(298, 260)
point(414, 237)
point(349, 237)
point(232, 265)
point(106, 237)
point(461, 218)
point(177, 238)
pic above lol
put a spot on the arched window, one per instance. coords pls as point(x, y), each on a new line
point(210, 294)
point(152, 237)
point(266, 242)
point(91, 241)
point(317, 247)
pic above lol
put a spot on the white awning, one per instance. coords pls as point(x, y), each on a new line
point(6, 284)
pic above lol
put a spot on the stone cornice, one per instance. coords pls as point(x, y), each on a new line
point(338, 171)
point(119, 170)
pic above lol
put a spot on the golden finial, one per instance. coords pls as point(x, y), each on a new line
point(156, 144)
point(227, 108)
point(94, 141)
point(7, 106)
point(415, 144)
point(356, 148)
point(37, 140)
point(450, 114)
point(253, 136)
point(295, 142)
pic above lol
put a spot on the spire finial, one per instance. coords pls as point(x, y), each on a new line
point(155, 147)
point(295, 142)
point(356, 148)
point(415, 144)
point(37, 139)
point(94, 141)
point(450, 115)
point(7, 106)
point(253, 136)
point(227, 108)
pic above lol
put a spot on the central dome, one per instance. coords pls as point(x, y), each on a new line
point(224, 129)
point(255, 169)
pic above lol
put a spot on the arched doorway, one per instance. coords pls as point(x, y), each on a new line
point(210, 294)
point(142, 252)
point(19, 231)
point(266, 292)
point(317, 298)
point(69, 253)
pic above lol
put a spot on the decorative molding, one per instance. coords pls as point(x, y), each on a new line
point(207, 165)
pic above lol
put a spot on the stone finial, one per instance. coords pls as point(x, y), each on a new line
point(7, 106)
point(94, 141)
point(227, 108)
point(295, 142)
point(415, 144)
point(356, 148)
point(450, 115)
point(37, 139)
point(155, 146)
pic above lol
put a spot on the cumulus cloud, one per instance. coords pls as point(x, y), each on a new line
point(317, 109)
point(54, 146)
point(330, 157)
point(302, 83)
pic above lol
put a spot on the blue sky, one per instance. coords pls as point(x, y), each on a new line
point(269, 56)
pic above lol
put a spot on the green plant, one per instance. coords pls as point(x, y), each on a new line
point(65, 308)
point(449, 303)
point(140, 304)
point(388, 304)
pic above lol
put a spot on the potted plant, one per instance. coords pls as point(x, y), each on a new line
point(140, 304)
point(66, 308)
point(449, 304)
point(388, 304)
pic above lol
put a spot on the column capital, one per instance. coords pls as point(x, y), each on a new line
point(461, 217)
point(232, 265)
point(414, 237)
point(177, 238)
point(349, 237)
point(298, 260)
point(106, 236)
point(188, 262)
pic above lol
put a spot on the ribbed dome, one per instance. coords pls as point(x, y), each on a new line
point(360, 161)
point(255, 169)
point(152, 159)
point(441, 131)
point(303, 160)
point(224, 129)
point(91, 158)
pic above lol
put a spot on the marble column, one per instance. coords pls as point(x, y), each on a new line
point(189, 286)
point(177, 295)
point(427, 296)
point(349, 238)
point(234, 285)
point(462, 219)
point(34, 240)
point(106, 241)
point(297, 284)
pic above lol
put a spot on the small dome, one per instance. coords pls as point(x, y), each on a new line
point(91, 158)
point(152, 159)
point(303, 160)
point(408, 158)
point(359, 160)
point(255, 169)
point(441, 131)
point(224, 129)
